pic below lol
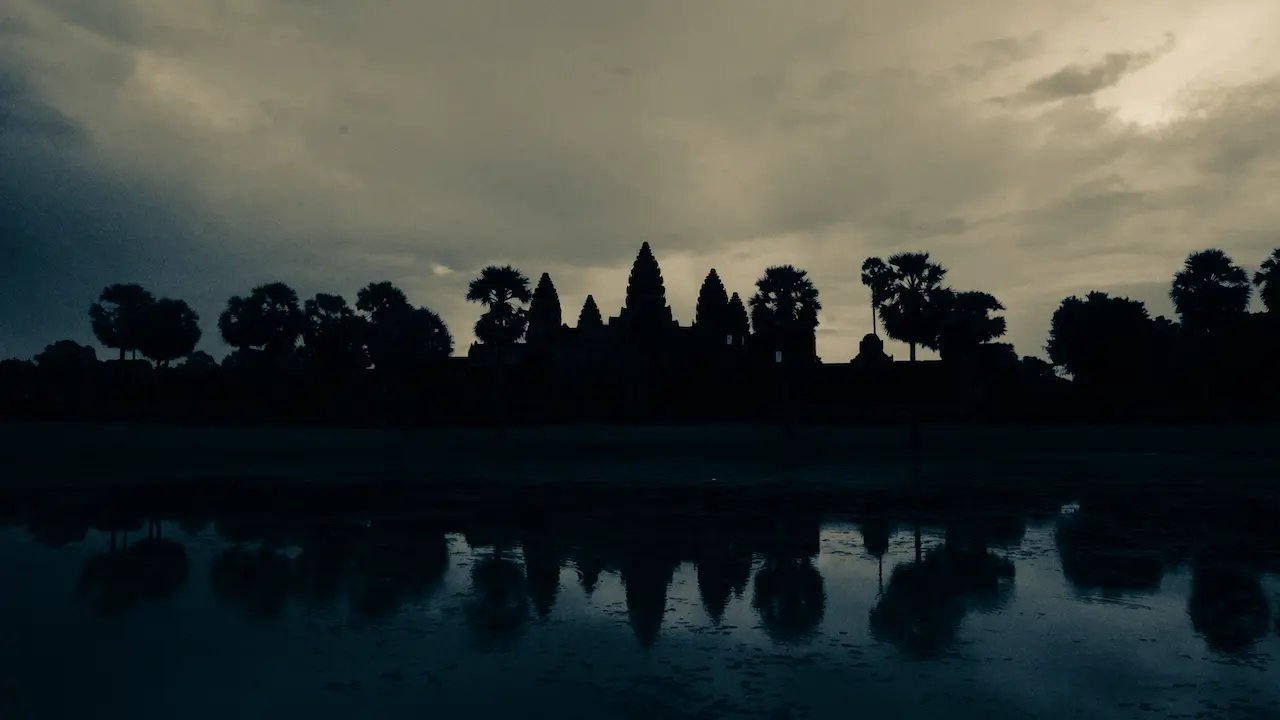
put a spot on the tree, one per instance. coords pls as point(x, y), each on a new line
point(911, 295)
point(66, 356)
point(119, 317)
point(645, 312)
point(739, 323)
point(334, 335)
point(878, 277)
point(589, 318)
point(502, 324)
point(400, 336)
point(381, 300)
point(1210, 292)
point(545, 316)
point(269, 319)
point(1103, 338)
point(785, 305)
point(1268, 281)
point(172, 331)
point(966, 322)
point(199, 361)
point(426, 337)
point(711, 317)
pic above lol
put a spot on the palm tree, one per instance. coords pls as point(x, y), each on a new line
point(910, 294)
point(877, 276)
point(333, 338)
point(269, 319)
point(502, 324)
point(1268, 283)
point(1210, 291)
point(785, 305)
point(119, 317)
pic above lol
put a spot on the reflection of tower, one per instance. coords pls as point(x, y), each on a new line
point(646, 578)
point(724, 569)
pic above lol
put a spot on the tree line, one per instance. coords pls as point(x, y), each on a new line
point(1098, 342)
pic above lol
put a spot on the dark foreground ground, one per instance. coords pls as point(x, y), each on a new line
point(746, 455)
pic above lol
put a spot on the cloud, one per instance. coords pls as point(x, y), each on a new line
point(203, 148)
point(1078, 80)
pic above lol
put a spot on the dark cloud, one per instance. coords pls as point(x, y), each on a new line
point(1079, 80)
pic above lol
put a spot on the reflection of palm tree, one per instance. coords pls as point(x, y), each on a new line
point(542, 565)
point(255, 581)
point(876, 531)
point(323, 568)
point(921, 609)
point(402, 564)
point(1227, 606)
point(1097, 554)
point(790, 599)
point(153, 568)
point(500, 607)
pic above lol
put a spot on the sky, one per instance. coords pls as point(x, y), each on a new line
point(1036, 149)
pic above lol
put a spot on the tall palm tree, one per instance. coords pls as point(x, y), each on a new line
point(877, 276)
point(1268, 281)
point(785, 305)
point(497, 288)
point(912, 295)
point(1210, 291)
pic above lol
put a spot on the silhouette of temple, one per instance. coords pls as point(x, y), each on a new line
point(645, 333)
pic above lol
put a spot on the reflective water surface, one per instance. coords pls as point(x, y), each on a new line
point(131, 605)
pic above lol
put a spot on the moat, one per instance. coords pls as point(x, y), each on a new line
point(1031, 604)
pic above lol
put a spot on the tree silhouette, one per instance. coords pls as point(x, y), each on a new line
point(911, 295)
point(785, 305)
point(589, 319)
point(119, 318)
point(200, 361)
point(381, 300)
point(403, 563)
point(1227, 606)
point(1267, 278)
point(738, 320)
point(334, 335)
point(172, 331)
point(502, 324)
point(966, 322)
point(545, 316)
point(877, 276)
point(790, 599)
point(268, 320)
point(1210, 291)
point(66, 356)
point(711, 317)
point(645, 312)
point(499, 607)
point(1104, 339)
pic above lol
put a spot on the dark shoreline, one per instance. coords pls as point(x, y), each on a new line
point(87, 454)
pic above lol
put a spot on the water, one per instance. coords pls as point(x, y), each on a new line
point(1093, 610)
